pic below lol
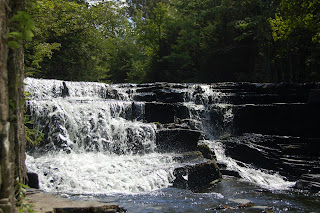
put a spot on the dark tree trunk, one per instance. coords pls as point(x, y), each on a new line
point(12, 140)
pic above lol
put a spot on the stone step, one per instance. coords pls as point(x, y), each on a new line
point(277, 119)
point(177, 140)
point(164, 112)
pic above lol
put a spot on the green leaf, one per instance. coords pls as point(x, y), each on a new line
point(28, 35)
point(15, 35)
point(13, 44)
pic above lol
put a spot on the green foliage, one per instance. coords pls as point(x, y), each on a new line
point(33, 136)
point(68, 44)
point(22, 29)
point(20, 192)
point(296, 30)
point(174, 40)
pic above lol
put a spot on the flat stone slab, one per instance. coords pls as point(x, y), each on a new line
point(44, 202)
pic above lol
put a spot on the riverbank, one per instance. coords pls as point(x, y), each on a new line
point(43, 202)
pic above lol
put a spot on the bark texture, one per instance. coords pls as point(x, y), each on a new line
point(12, 140)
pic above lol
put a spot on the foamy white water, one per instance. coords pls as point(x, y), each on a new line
point(98, 173)
point(94, 145)
point(87, 121)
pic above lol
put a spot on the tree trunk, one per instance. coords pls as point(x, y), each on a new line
point(12, 140)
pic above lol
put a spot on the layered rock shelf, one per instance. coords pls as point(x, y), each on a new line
point(274, 126)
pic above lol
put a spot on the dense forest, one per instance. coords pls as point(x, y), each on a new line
point(174, 40)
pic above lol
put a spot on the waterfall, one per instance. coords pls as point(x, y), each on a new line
point(93, 144)
point(97, 140)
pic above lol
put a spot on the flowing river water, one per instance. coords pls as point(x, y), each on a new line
point(95, 149)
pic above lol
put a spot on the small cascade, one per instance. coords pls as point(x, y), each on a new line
point(209, 106)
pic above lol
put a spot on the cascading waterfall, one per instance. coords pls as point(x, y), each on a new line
point(202, 100)
point(97, 143)
point(94, 145)
point(101, 144)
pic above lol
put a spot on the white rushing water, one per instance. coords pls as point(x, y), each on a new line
point(94, 145)
point(98, 173)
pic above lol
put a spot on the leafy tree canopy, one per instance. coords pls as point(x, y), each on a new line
point(175, 40)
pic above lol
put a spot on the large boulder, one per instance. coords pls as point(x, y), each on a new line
point(197, 177)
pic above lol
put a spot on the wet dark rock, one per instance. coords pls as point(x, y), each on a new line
point(181, 111)
point(314, 96)
point(159, 112)
point(197, 177)
point(266, 93)
point(309, 182)
point(230, 173)
point(102, 209)
point(192, 124)
point(33, 180)
point(64, 90)
point(147, 97)
point(160, 92)
point(278, 119)
point(207, 152)
point(177, 140)
point(190, 157)
point(169, 96)
point(289, 156)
